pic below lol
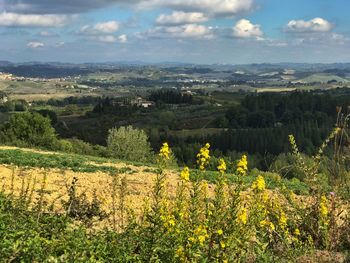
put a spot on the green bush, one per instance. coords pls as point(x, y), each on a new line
point(128, 143)
point(30, 129)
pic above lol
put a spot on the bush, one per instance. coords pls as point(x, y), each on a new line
point(30, 129)
point(129, 144)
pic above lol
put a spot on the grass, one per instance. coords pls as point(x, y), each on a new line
point(273, 181)
point(89, 164)
point(76, 163)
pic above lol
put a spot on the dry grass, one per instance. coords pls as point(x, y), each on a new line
point(139, 185)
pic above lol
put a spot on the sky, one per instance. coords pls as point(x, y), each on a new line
point(190, 31)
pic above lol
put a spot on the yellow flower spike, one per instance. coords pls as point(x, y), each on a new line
point(242, 216)
point(220, 232)
point(297, 232)
point(165, 151)
point(185, 174)
point(269, 225)
point(203, 157)
point(222, 166)
point(282, 221)
point(242, 166)
point(323, 208)
point(259, 184)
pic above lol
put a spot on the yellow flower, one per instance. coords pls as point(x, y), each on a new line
point(222, 244)
point(323, 208)
point(282, 221)
point(220, 232)
point(180, 253)
point(200, 235)
point(171, 222)
point(268, 224)
point(165, 151)
point(185, 174)
point(297, 232)
point(242, 166)
point(259, 184)
point(203, 156)
point(201, 239)
point(242, 216)
point(222, 166)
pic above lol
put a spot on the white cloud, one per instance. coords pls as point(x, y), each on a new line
point(60, 44)
point(245, 29)
point(100, 28)
point(112, 39)
point(47, 34)
point(183, 31)
point(35, 44)
point(123, 38)
point(30, 20)
point(107, 39)
point(181, 18)
point(212, 7)
point(314, 25)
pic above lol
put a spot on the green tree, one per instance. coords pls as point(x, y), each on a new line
point(30, 129)
point(129, 143)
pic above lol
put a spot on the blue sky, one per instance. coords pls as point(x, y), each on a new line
point(195, 31)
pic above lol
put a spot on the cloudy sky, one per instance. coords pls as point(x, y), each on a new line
point(196, 31)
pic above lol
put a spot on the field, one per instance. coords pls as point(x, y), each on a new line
point(141, 201)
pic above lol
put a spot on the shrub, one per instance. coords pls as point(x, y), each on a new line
point(30, 129)
point(129, 144)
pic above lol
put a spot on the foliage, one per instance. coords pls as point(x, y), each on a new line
point(200, 223)
point(30, 129)
point(170, 96)
point(47, 160)
point(128, 143)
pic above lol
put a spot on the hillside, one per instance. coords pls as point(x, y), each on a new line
point(79, 203)
point(21, 167)
point(323, 78)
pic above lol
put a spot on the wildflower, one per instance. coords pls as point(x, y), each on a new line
point(282, 221)
point(203, 157)
point(222, 244)
point(201, 239)
point(297, 232)
point(222, 166)
point(259, 184)
point(165, 151)
point(185, 174)
point(200, 235)
point(220, 232)
point(242, 166)
point(268, 224)
point(171, 222)
point(180, 253)
point(242, 216)
point(265, 197)
point(323, 209)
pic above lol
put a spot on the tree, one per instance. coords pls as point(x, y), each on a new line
point(129, 143)
point(30, 129)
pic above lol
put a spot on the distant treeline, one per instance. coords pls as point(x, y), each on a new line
point(170, 96)
point(86, 100)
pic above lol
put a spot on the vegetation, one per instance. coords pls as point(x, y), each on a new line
point(128, 143)
point(29, 129)
point(248, 196)
point(198, 223)
point(77, 163)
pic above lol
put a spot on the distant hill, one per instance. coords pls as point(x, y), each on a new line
point(323, 78)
